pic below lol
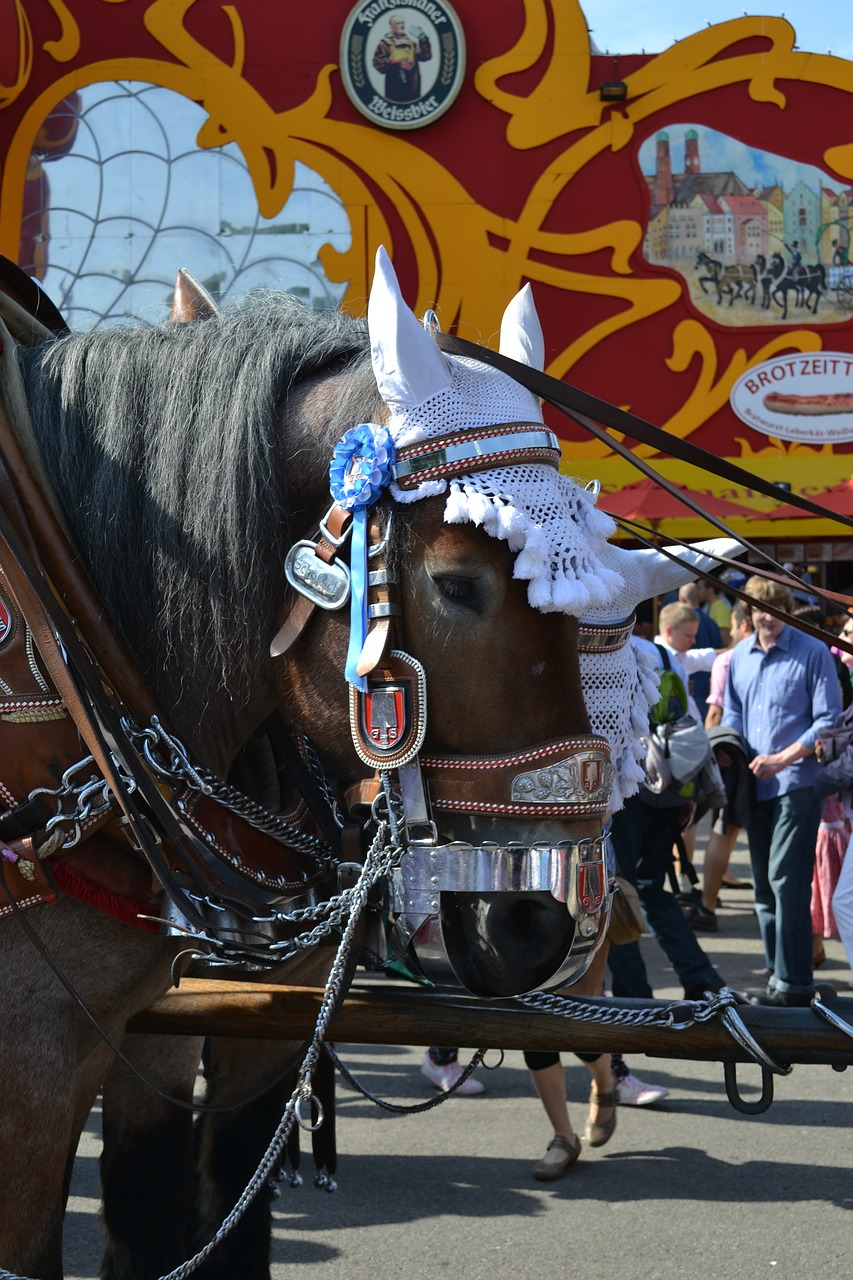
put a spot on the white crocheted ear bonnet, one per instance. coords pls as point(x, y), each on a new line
point(549, 521)
point(559, 538)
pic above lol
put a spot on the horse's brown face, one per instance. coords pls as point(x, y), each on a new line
point(501, 678)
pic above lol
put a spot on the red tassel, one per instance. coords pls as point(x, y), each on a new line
point(125, 910)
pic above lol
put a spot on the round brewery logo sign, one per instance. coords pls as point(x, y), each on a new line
point(806, 396)
point(402, 64)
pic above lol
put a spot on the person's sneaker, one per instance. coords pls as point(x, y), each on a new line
point(638, 1093)
point(699, 917)
point(780, 999)
point(445, 1077)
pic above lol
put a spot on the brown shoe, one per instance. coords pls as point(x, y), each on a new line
point(550, 1170)
point(701, 918)
point(598, 1134)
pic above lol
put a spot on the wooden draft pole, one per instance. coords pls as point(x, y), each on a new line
point(384, 1013)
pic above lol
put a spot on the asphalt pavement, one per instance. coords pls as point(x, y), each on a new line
point(691, 1188)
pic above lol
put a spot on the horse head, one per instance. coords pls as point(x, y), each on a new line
point(517, 610)
point(456, 623)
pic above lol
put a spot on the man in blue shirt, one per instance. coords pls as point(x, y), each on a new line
point(781, 690)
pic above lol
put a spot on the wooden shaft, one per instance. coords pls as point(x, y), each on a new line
point(375, 1013)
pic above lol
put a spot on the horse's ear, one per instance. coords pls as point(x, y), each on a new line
point(661, 573)
point(191, 300)
point(408, 366)
point(521, 332)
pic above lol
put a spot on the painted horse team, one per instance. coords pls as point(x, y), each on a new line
point(767, 281)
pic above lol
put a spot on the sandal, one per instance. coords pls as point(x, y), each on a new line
point(549, 1170)
point(598, 1134)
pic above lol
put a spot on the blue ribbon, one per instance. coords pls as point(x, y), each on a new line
point(358, 598)
point(360, 470)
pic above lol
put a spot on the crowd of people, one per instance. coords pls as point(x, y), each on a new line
point(776, 701)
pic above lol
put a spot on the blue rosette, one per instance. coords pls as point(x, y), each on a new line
point(359, 472)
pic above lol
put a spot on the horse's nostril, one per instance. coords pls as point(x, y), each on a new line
point(506, 944)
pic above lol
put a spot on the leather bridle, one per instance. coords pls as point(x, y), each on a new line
point(564, 780)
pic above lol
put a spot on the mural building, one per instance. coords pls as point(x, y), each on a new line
point(685, 228)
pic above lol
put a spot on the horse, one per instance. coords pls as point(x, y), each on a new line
point(807, 285)
point(734, 280)
point(763, 278)
point(189, 461)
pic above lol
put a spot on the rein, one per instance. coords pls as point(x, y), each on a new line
point(589, 412)
point(221, 855)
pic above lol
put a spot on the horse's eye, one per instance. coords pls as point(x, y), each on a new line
point(455, 587)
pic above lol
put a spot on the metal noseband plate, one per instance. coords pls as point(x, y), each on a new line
point(499, 921)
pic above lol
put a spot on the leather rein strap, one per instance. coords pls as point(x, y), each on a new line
point(582, 408)
point(30, 537)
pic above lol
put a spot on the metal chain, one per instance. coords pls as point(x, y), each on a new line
point(299, 1102)
point(262, 819)
point(179, 770)
point(92, 797)
point(677, 1016)
point(416, 1107)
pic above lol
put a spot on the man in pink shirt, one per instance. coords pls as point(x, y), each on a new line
point(741, 628)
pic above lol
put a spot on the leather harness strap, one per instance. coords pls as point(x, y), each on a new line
point(30, 536)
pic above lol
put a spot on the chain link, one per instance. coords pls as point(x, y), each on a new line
point(676, 1016)
point(177, 770)
point(92, 797)
point(375, 860)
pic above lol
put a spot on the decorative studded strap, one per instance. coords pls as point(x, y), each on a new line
point(480, 449)
point(568, 778)
point(606, 637)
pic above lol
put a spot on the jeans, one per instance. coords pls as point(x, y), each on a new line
point(628, 974)
point(782, 835)
point(642, 841)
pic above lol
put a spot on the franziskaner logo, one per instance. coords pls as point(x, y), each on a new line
point(402, 64)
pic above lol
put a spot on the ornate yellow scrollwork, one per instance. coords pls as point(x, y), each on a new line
point(469, 257)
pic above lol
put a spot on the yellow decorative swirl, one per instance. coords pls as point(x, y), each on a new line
point(68, 44)
point(10, 92)
point(469, 258)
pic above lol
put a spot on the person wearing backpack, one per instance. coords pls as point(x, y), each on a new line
point(678, 625)
point(643, 834)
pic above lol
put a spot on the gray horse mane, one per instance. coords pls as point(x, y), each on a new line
point(185, 467)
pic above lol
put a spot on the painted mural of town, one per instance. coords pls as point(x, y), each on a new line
point(758, 238)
